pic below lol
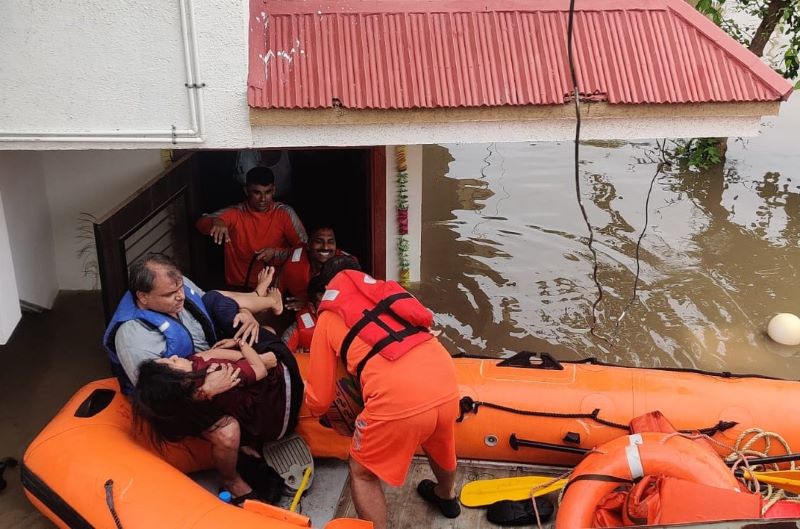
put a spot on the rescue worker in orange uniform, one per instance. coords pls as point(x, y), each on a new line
point(256, 233)
point(407, 380)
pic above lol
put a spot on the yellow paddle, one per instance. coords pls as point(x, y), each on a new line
point(487, 491)
point(482, 492)
point(783, 479)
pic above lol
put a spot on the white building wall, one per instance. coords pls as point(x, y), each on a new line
point(30, 233)
point(88, 72)
point(81, 185)
point(9, 300)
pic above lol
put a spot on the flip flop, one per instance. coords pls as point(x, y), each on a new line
point(519, 512)
point(450, 508)
point(290, 457)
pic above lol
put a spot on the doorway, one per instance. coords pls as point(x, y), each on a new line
point(343, 188)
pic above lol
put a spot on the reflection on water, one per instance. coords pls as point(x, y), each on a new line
point(506, 265)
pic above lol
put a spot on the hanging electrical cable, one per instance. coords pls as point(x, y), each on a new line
point(659, 169)
point(576, 96)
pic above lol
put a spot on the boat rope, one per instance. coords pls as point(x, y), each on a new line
point(109, 485)
point(540, 486)
point(740, 455)
point(468, 405)
point(744, 447)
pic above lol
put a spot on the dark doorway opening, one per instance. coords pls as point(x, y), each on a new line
point(330, 187)
point(341, 188)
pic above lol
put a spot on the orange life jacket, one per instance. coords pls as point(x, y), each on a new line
point(296, 272)
point(380, 313)
point(306, 321)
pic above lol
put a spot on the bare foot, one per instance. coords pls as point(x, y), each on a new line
point(274, 294)
point(264, 280)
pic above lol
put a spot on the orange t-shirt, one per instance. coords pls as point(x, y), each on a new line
point(420, 380)
point(279, 228)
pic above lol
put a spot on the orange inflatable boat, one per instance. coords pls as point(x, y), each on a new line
point(535, 409)
point(87, 467)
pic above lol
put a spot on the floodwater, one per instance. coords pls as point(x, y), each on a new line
point(506, 265)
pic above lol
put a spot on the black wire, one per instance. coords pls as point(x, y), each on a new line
point(576, 96)
point(659, 169)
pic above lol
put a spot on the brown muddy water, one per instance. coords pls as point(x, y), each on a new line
point(506, 266)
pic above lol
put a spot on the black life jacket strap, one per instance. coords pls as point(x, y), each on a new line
point(598, 477)
point(403, 334)
point(371, 316)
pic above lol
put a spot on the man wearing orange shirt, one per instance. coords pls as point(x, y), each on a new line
point(256, 233)
point(409, 387)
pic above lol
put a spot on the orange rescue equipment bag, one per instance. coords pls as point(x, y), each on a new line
point(630, 458)
point(659, 500)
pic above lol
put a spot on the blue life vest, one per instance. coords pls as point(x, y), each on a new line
point(177, 336)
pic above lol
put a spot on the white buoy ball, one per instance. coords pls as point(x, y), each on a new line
point(784, 328)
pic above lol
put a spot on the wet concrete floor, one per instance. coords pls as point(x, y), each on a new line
point(49, 356)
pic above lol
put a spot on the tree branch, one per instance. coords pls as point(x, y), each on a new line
point(767, 25)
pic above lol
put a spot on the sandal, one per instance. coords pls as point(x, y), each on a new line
point(509, 512)
point(450, 508)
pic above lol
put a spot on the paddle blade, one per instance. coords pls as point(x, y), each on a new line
point(488, 491)
point(783, 479)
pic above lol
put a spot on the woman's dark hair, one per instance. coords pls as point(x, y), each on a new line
point(164, 399)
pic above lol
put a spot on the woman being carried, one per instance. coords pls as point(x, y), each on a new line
point(265, 404)
point(169, 398)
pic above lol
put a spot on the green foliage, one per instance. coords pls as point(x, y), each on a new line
point(697, 153)
point(701, 153)
point(788, 23)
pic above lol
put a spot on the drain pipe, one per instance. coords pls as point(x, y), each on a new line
point(173, 135)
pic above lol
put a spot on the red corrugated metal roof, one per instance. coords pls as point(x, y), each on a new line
point(423, 54)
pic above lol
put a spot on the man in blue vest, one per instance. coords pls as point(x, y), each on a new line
point(163, 315)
